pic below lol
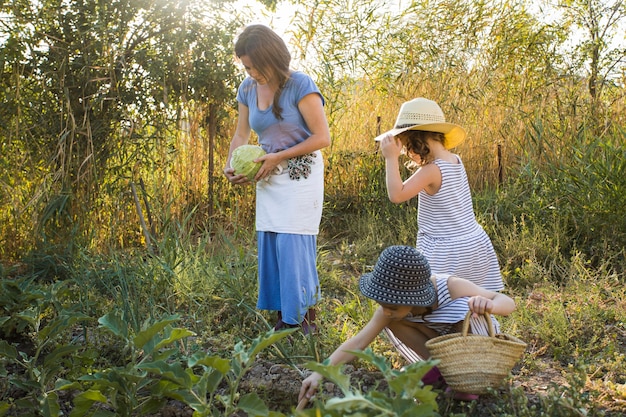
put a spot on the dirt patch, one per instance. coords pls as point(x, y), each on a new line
point(278, 385)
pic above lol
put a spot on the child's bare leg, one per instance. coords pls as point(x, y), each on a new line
point(413, 335)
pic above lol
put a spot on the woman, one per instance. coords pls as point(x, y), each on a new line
point(285, 109)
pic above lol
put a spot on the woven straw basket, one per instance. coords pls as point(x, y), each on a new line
point(473, 363)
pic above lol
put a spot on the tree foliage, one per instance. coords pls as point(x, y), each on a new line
point(93, 94)
point(99, 96)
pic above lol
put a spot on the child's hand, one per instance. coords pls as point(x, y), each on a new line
point(480, 305)
point(391, 147)
point(309, 386)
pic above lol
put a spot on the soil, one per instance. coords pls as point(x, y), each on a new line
point(278, 385)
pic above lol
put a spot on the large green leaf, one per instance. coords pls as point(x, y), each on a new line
point(171, 371)
point(350, 403)
point(266, 340)
point(30, 315)
point(8, 351)
point(333, 373)
point(162, 355)
point(174, 335)
point(59, 325)
point(211, 379)
point(216, 362)
point(147, 335)
point(85, 400)
point(152, 406)
point(53, 358)
point(253, 405)
point(113, 322)
point(368, 355)
point(64, 384)
point(50, 405)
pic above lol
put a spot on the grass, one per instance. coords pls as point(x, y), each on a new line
point(571, 311)
point(555, 223)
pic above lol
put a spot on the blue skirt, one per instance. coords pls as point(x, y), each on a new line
point(288, 279)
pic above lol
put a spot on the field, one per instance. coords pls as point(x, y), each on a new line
point(128, 262)
point(110, 321)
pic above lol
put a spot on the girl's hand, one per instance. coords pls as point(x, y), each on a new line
point(309, 386)
point(391, 147)
point(480, 305)
point(233, 178)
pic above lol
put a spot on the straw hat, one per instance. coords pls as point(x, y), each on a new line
point(423, 114)
point(402, 277)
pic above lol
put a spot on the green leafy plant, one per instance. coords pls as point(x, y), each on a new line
point(405, 396)
point(36, 367)
point(210, 384)
point(155, 372)
point(127, 389)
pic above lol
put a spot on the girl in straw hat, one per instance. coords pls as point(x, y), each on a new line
point(417, 306)
point(448, 234)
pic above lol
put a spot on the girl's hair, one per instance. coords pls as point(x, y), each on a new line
point(416, 142)
point(429, 310)
point(269, 55)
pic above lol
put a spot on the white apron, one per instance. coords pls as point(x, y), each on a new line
point(291, 199)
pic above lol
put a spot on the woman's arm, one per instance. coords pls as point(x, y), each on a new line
point(241, 137)
point(312, 110)
point(340, 356)
point(481, 300)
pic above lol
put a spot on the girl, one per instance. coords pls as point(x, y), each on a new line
point(285, 109)
point(448, 234)
point(417, 306)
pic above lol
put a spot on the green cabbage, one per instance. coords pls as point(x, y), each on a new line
point(241, 160)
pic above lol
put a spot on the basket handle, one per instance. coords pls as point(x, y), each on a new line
point(487, 316)
point(303, 402)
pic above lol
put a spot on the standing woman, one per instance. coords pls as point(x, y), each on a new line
point(285, 110)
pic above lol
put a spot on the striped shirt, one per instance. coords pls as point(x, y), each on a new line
point(450, 311)
point(442, 320)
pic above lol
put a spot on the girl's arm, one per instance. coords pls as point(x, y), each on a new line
point(481, 300)
point(426, 177)
point(358, 342)
point(312, 110)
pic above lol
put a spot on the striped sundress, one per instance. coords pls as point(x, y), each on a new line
point(450, 237)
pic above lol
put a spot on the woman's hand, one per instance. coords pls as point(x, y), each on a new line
point(480, 305)
point(270, 162)
point(233, 178)
point(391, 147)
point(309, 386)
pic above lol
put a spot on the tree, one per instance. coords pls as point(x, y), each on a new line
point(602, 23)
point(92, 96)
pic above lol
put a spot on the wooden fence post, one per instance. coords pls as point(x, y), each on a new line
point(500, 167)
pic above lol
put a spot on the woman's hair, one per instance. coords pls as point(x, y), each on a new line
point(269, 55)
point(416, 142)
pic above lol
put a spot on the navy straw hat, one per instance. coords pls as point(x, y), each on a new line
point(402, 277)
